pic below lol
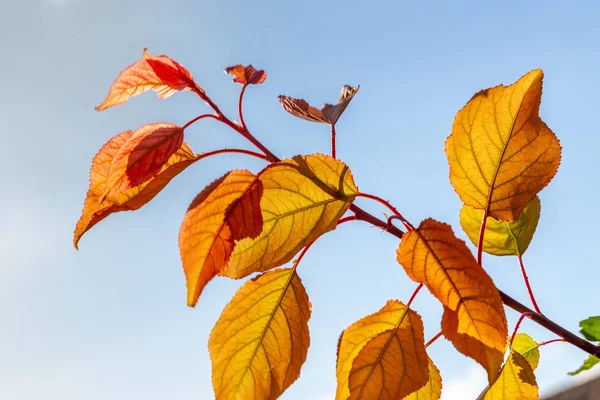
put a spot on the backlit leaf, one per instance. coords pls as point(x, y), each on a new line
point(501, 154)
point(382, 356)
point(432, 389)
point(590, 328)
point(159, 73)
point(246, 75)
point(515, 382)
point(206, 239)
point(502, 238)
point(303, 198)
point(328, 114)
point(95, 210)
point(474, 319)
point(261, 339)
point(142, 156)
point(243, 215)
point(587, 364)
point(528, 348)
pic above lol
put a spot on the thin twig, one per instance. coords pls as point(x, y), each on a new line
point(529, 290)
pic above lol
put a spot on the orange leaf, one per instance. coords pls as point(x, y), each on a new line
point(142, 156)
point(382, 356)
point(94, 210)
point(206, 239)
point(302, 199)
point(261, 339)
point(474, 319)
point(246, 75)
point(328, 114)
point(159, 73)
point(501, 154)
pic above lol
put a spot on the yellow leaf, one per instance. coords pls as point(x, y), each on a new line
point(528, 348)
point(501, 154)
point(502, 238)
point(432, 389)
point(206, 239)
point(474, 319)
point(261, 339)
point(303, 198)
point(382, 356)
point(515, 382)
point(95, 209)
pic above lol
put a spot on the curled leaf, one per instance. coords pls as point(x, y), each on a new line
point(261, 339)
point(328, 114)
point(303, 198)
point(501, 154)
point(247, 75)
point(159, 73)
point(382, 356)
point(502, 238)
point(95, 210)
point(206, 236)
point(473, 319)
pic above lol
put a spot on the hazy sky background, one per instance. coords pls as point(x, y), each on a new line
point(110, 321)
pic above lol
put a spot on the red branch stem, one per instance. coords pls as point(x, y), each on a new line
point(517, 325)
point(241, 151)
point(529, 290)
point(333, 141)
point(433, 339)
point(240, 112)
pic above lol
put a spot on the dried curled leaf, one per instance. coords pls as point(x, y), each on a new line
point(516, 379)
point(382, 356)
point(328, 114)
point(473, 319)
point(159, 73)
point(247, 75)
point(502, 238)
point(142, 156)
point(303, 198)
point(432, 389)
point(206, 236)
point(501, 154)
point(261, 339)
point(95, 210)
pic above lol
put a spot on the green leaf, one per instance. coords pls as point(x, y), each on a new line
point(590, 328)
point(587, 364)
point(528, 348)
point(502, 238)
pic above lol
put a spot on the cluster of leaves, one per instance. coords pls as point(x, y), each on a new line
point(501, 154)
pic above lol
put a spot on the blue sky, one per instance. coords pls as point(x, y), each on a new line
point(110, 321)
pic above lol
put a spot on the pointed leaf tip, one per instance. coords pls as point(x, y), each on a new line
point(158, 73)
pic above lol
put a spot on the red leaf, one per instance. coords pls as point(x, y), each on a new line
point(246, 75)
point(244, 215)
point(95, 211)
point(159, 73)
point(142, 156)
